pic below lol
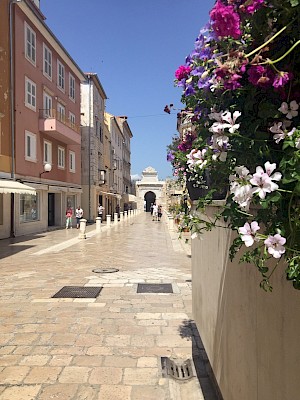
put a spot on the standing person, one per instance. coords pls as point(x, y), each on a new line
point(78, 215)
point(155, 212)
point(118, 210)
point(151, 208)
point(69, 214)
point(100, 211)
point(159, 212)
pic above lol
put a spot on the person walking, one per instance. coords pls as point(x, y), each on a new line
point(78, 215)
point(69, 214)
point(155, 212)
point(159, 212)
point(151, 208)
point(100, 211)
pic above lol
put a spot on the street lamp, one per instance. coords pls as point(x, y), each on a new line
point(47, 168)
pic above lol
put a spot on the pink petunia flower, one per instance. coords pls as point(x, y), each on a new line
point(290, 110)
point(226, 22)
point(182, 72)
point(264, 180)
point(275, 245)
point(248, 233)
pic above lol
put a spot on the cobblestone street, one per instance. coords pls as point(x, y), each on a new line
point(108, 347)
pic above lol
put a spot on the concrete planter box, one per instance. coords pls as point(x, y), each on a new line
point(251, 337)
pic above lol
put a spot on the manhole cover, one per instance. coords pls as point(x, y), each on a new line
point(178, 370)
point(105, 270)
point(78, 292)
point(154, 288)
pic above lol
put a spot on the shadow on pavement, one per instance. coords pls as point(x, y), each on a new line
point(202, 365)
point(11, 246)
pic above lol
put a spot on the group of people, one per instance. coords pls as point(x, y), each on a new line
point(69, 215)
point(156, 211)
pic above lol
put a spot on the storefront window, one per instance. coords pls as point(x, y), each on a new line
point(29, 207)
point(71, 202)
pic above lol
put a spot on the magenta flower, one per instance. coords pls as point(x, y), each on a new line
point(254, 5)
point(226, 22)
point(248, 232)
point(260, 76)
point(182, 72)
point(281, 79)
point(275, 245)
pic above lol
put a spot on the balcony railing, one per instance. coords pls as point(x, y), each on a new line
point(61, 117)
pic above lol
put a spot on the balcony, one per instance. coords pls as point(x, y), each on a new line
point(59, 127)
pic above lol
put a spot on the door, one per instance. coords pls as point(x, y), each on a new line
point(51, 209)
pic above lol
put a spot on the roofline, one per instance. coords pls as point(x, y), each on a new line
point(38, 14)
point(97, 82)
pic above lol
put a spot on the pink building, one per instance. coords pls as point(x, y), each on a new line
point(47, 123)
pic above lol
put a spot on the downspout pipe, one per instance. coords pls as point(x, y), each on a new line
point(12, 113)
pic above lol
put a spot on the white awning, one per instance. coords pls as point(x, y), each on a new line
point(7, 186)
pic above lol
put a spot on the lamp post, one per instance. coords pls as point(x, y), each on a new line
point(47, 168)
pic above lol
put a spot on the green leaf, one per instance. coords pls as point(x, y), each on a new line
point(294, 3)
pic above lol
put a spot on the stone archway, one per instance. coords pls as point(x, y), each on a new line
point(149, 197)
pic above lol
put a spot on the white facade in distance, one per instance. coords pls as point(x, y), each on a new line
point(150, 189)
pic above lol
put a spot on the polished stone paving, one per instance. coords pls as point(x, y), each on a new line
point(108, 347)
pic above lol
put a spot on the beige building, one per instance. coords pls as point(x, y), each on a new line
point(95, 168)
point(150, 189)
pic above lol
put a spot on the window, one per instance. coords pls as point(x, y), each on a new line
point(101, 133)
point(72, 87)
point(61, 157)
point(30, 94)
point(72, 119)
point(72, 161)
point(47, 104)
point(61, 113)
point(29, 207)
point(30, 44)
point(47, 62)
point(60, 76)
point(47, 152)
point(30, 146)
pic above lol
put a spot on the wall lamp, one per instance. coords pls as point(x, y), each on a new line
point(47, 168)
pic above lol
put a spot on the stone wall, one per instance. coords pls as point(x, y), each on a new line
point(251, 337)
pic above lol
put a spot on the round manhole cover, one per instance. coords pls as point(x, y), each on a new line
point(105, 270)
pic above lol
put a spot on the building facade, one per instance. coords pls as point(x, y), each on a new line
point(45, 134)
point(95, 143)
point(150, 189)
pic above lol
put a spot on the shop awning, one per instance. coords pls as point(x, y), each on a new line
point(129, 198)
point(7, 186)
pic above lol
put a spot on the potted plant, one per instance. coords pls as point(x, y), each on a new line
point(240, 128)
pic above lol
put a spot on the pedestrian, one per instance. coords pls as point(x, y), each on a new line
point(100, 211)
point(69, 214)
point(118, 210)
point(151, 208)
point(159, 212)
point(78, 215)
point(155, 212)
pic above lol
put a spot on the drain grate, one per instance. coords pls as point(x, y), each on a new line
point(180, 371)
point(105, 270)
point(154, 288)
point(78, 292)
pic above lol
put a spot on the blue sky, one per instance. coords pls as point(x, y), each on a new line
point(134, 46)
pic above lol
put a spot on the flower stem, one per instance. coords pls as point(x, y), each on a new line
point(268, 41)
point(282, 57)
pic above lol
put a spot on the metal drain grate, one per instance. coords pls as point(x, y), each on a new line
point(180, 371)
point(154, 288)
point(78, 292)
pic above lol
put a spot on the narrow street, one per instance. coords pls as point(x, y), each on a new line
point(107, 347)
